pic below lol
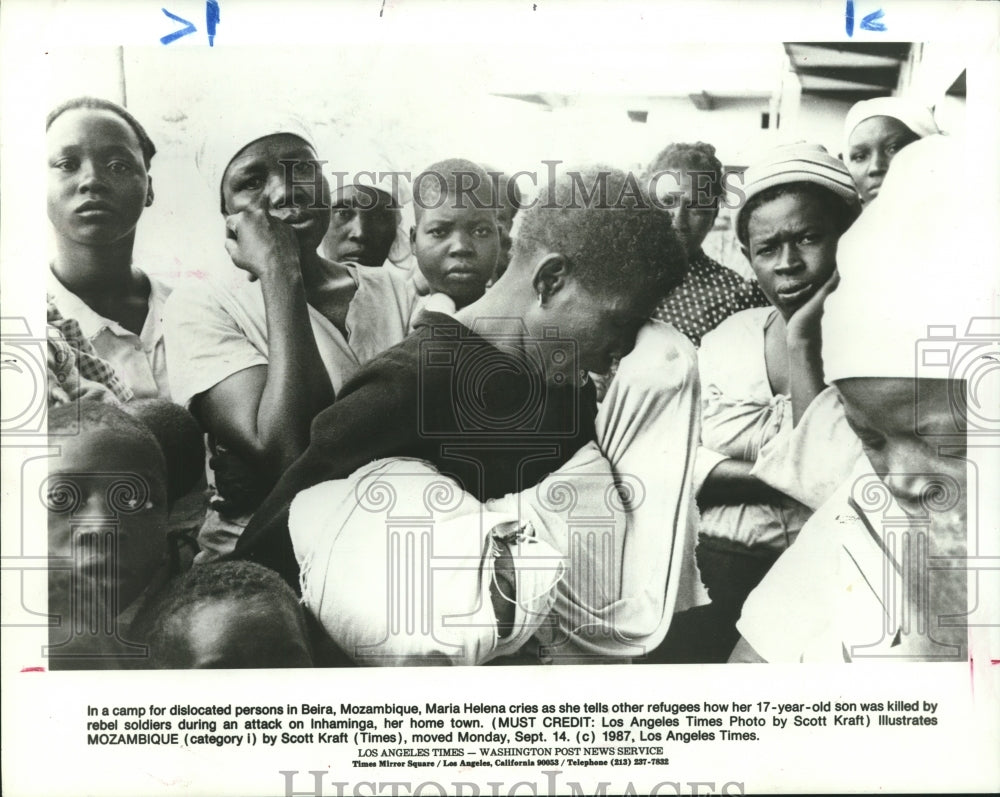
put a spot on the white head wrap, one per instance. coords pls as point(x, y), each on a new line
point(919, 262)
point(368, 167)
point(397, 561)
point(916, 117)
point(232, 131)
point(795, 163)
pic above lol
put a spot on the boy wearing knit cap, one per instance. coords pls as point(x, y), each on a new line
point(759, 370)
point(879, 571)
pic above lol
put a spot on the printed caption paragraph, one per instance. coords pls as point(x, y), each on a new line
point(493, 734)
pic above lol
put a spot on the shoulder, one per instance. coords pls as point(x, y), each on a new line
point(159, 290)
point(733, 327)
point(384, 279)
point(662, 359)
point(210, 300)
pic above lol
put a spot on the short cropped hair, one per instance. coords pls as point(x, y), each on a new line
point(180, 439)
point(510, 196)
point(697, 157)
point(623, 246)
point(98, 104)
point(840, 212)
point(444, 179)
point(203, 584)
point(88, 415)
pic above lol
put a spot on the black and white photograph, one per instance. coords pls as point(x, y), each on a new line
point(591, 350)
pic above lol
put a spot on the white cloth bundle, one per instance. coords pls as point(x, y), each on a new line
point(923, 256)
point(397, 562)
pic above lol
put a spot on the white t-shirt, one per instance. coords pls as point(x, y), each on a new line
point(140, 361)
point(219, 328)
point(740, 415)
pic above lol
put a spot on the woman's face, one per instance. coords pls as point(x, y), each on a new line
point(97, 180)
point(872, 145)
point(362, 226)
point(691, 211)
point(257, 177)
point(913, 433)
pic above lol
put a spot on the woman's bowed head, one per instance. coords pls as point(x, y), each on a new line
point(590, 273)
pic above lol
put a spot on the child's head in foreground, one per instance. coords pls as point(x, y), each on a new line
point(229, 615)
point(107, 505)
point(455, 238)
point(180, 440)
point(98, 171)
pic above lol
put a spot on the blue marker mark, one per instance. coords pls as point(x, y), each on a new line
point(211, 20)
point(177, 34)
point(870, 21)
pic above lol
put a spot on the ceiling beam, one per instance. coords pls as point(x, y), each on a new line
point(702, 101)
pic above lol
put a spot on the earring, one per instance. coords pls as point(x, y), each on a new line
point(540, 301)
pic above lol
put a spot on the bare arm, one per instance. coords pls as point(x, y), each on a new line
point(805, 356)
point(730, 482)
point(263, 413)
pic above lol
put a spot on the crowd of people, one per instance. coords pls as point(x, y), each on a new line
point(515, 432)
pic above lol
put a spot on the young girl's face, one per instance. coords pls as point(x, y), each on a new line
point(456, 249)
point(97, 181)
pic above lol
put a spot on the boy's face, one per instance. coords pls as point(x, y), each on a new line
point(114, 538)
point(256, 178)
point(255, 633)
point(792, 247)
point(884, 413)
point(97, 181)
point(362, 227)
point(456, 249)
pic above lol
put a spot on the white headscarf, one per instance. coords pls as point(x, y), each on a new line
point(918, 118)
point(232, 131)
point(370, 168)
point(920, 262)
